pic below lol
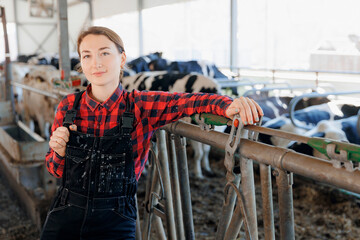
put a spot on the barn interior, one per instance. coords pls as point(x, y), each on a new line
point(294, 174)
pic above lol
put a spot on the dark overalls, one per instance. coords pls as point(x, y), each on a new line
point(97, 197)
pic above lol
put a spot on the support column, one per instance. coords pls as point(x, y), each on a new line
point(63, 33)
point(233, 35)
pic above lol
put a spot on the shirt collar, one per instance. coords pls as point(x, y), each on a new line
point(108, 103)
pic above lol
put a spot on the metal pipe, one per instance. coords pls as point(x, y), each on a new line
point(227, 210)
point(286, 210)
point(152, 186)
point(7, 68)
point(175, 186)
point(39, 91)
point(140, 27)
point(239, 216)
point(278, 133)
point(233, 34)
point(63, 34)
point(268, 89)
point(138, 226)
point(314, 168)
point(164, 171)
point(267, 202)
point(248, 188)
point(184, 187)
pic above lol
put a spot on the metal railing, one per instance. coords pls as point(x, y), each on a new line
point(168, 192)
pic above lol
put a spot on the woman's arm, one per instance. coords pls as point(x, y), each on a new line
point(161, 108)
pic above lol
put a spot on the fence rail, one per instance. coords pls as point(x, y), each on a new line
point(284, 162)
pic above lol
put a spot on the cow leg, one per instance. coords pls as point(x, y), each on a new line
point(41, 123)
point(205, 161)
point(47, 130)
point(198, 155)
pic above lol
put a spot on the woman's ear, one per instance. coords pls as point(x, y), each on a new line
point(123, 59)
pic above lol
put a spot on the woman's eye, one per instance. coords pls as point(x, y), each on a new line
point(86, 56)
point(105, 53)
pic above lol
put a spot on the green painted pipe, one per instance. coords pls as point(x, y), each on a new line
point(320, 144)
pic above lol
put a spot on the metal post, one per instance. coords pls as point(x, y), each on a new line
point(184, 187)
point(227, 210)
point(17, 26)
point(164, 171)
point(267, 202)
point(154, 219)
point(138, 226)
point(233, 35)
point(175, 186)
point(248, 187)
point(152, 186)
point(141, 35)
point(7, 57)
point(8, 74)
point(286, 211)
point(91, 15)
point(63, 33)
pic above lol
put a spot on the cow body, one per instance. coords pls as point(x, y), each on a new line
point(177, 82)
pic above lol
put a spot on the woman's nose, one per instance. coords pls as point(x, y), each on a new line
point(97, 62)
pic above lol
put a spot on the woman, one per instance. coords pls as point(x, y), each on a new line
point(102, 156)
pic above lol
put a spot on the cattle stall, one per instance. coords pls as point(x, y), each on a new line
point(168, 194)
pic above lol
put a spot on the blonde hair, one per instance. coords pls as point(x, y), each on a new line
point(110, 34)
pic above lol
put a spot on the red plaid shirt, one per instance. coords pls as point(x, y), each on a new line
point(152, 110)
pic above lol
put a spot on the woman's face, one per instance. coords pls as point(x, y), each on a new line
point(101, 61)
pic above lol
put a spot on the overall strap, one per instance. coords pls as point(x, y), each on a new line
point(71, 114)
point(127, 118)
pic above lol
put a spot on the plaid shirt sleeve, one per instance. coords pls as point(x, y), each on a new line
point(161, 108)
point(53, 161)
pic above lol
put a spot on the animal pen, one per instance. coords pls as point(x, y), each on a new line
point(168, 195)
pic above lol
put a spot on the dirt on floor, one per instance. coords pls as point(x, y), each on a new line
point(320, 212)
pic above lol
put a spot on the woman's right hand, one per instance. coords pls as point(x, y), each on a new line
point(59, 139)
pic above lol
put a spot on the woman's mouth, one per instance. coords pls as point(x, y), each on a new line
point(98, 74)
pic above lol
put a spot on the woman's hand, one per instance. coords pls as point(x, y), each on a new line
point(59, 139)
point(247, 108)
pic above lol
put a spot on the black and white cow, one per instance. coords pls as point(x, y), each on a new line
point(177, 82)
point(203, 67)
point(171, 82)
point(343, 130)
point(329, 120)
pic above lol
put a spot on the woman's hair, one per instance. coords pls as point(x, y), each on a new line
point(110, 34)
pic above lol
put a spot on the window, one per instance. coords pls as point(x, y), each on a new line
point(126, 25)
point(11, 31)
point(193, 30)
point(283, 34)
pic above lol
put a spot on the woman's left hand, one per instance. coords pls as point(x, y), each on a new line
point(247, 108)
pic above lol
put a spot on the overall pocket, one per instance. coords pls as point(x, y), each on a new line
point(111, 173)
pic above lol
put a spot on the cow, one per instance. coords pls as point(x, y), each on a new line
point(37, 107)
point(308, 117)
point(329, 120)
point(177, 82)
point(203, 67)
point(171, 82)
point(343, 130)
point(141, 64)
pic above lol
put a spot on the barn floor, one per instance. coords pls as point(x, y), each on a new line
point(321, 212)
